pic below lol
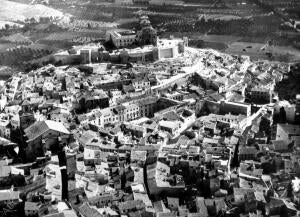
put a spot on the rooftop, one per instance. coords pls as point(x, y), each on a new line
point(9, 195)
point(39, 128)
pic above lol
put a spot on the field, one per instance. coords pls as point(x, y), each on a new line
point(5, 46)
point(80, 24)
point(238, 45)
point(256, 51)
point(16, 12)
point(16, 38)
point(17, 57)
point(65, 40)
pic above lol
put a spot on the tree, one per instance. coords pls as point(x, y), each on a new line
point(6, 26)
point(190, 134)
point(175, 86)
point(282, 115)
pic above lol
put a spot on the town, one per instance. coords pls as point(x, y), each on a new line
point(143, 125)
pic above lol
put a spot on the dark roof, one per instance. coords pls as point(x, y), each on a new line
point(119, 109)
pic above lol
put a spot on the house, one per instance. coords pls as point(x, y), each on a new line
point(141, 84)
point(235, 108)
point(260, 199)
point(59, 214)
point(5, 128)
point(250, 202)
point(138, 156)
point(87, 211)
point(159, 180)
point(96, 99)
point(9, 196)
point(5, 171)
point(217, 151)
point(136, 130)
point(275, 207)
point(34, 209)
point(131, 206)
point(239, 195)
point(220, 205)
point(6, 147)
point(201, 207)
point(166, 214)
point(115, 96)
point(248, 171)
point(279, 146)
point(45, 135)
point(173, 203)
point(121, 38)
point(214, 185)
point(247, 153)
point(171, 127)
point(101, 200)
point(260, 95)
point(287, 132)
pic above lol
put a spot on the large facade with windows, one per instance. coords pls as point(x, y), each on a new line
point(122, 38)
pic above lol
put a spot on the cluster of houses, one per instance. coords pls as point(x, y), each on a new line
point(162, 139)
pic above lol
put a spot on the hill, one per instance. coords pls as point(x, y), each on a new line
point(19, 12)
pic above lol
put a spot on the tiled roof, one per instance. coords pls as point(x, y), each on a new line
point(201, 207)
point(55, 215)
point(88, 211)
point(31, 206)
point(290, 129)
point(131, 204)
point(9, 195)
point(41, 127)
